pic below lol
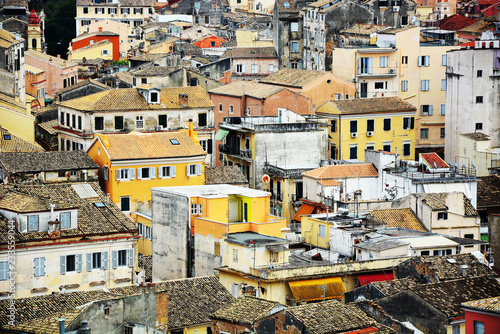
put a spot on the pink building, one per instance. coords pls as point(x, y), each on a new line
point(59, 73)
point(253, 63)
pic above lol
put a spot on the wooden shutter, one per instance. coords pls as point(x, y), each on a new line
point(114, 259)
point(131, 257)
point(63, 264)
point(105, 260)
point(79, 263)
point(89, 261)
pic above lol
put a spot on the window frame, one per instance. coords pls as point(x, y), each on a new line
point(387, 124)
point(101, 122)
point(139, 120)
point(29, 226)
point(65, 214)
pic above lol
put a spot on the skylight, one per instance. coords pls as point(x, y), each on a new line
point(174, 142)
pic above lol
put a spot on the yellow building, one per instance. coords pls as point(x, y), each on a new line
point(251, 38)
point(385, 123)
point(102, 49)
point(131, 164)
point(17, 118)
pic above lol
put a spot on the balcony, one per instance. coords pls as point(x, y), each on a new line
point(234, 151)
point(381, 73)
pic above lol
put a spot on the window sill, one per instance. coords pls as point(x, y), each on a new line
point(97, 283)
point(122, 280)
point(38, 290)
point(70, 286)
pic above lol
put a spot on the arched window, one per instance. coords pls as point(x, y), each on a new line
point(33, 43)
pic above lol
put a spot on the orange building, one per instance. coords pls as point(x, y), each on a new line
point(35, 86)
point(98, 36)
point(209, 41)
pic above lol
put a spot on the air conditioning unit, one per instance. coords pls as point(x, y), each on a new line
point(125, 15)
point(159, 128)
point(392, 71)
point(395, 9)
point(354, 134)
point(369, 133)
point(112, 14)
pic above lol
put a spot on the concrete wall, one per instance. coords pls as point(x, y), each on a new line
point(494, 230)
point(204, 251)
point(171, 234)
point(8, 84)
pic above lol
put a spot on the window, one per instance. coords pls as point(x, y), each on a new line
point(193, 170)
point(426, 110)
point(203, 144)
point(62, 118)
point(220, 107)
point(384, 61)
point(443, 110)
point(295, 47)
point(240, 68)
point(479, 73)
point(379, 85)
point(99, 123)
point(65, 219)
point(196, 209)
point(125, 174)
point(39, 266)
point(444, 60)
point(202, 119)
point(105, 173)
point(387, 124)
point(442, 134)
point(162, 121)
point(424, 60)
point(85, 22)
point(65, 83)
point(174, 141)
point(404, 60)
point(125, 11)
point(71, 263)
point(4, 270)
point(68, 116)
point(231, 109)
point(165, 172)
point(333, 126)
point(235, 255)
point(294, 26)
point(353, 125)
point(442, 215)
point(386, 146)
point(478, 327)
point(85, 10)
point(255, 68)
point(33, 223)
point(212, 44)
point(469, 236)
point(370, 146)
point(424, 85)
point(424, 133)
point(408, 123)
point(479, 99)
point(139, 122)
point(479, 126)
point(137, 10)
point(404, 20)
point(370, 125)
point(154, 97)
point(96, 260)
point(125, 203)
point(322, 231)
point(404, 85)
point(271, 68)
point(112, 10)
point(353, 151)
point(146, 173)
point(406, 149)
point(455, 329)
point(443, 84)
point(118, 122)
point(365, 65)
point(122, 258)
point(425, 253)
point(99, 10)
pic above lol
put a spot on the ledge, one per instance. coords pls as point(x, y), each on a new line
point(96, 283)
point(37, 290)
point(122, 280)
point(70, 286)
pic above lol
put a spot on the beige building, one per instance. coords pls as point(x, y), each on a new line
point(401, 65)
point(120, 28)
point(476, 151)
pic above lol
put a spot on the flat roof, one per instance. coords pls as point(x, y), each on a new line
point(212, 191)
point(432, 241)
point(244, 238)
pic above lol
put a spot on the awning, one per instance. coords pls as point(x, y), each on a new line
point(221, 134)
point(305, 209)
point(277, 248)
point(375, 277)
point(317, 289)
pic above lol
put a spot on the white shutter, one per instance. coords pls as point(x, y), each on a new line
point(131, 257)
point(198, 166)
point(242, 68)
point(118, 174)
point(160, 172)
point(172, 171)
point(105, 260)
point(152, 171)
point(419, 60)
point(63, 264)
point(139, 173)
point(430, 109)
point(132, 173)
point(187, 170)
point(370, 65)
point(79, 263)
point(89, 261)
point(200, 209)
point(114, 259)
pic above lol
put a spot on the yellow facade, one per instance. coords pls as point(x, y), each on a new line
point(250, 38)
point(379, 139)
point(316, 232)
point(18, 121)
point(34, 37)
point(145, 243)
point(286, 202)
point(103, 50)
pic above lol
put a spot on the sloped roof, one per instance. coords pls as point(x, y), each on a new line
point(379, 104)
point(455, 22)
point(478, 27)
point(36, 198)
point(394, 31)
point(245, 310)
point(341, 171)
point(149, 56)
point(224, 175)
point(94, 33)
point(131, 99)
point(154, 145)
point(254, 52)
point(381, 244)
point(437, 201)
point(447, 296)
point(46, 161)
point(488, 191)
point(363, 29)
point(331, 316)
point(486, 305)
point(131, 3)
point(241, 88)
point(432, 158)
point(155, 71)
point(83, 83)
point(389, 288)
point(293, 77)
point(478, 136)
point(16, 144)
point(50, 59)
point(402, 218)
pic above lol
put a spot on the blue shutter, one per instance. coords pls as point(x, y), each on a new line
point(114, 259)
point(131, 257)
point(89, 261)
point(370, 65)
point(79, 263)
point(4, 270)
point(105, 260)
point(430, 109)
point(41, 262)
point(63, 264)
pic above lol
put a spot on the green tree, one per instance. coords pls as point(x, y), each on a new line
point(60, 26)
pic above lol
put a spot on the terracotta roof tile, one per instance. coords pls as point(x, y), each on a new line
point(455, 22)
point(363, 29)
point(432, 158)
point(245, 310)
point(242, 88)
point(50, 59)
point(224, 175)
point(155, 71)
point(487, 304)
point(83, 83)
point(389, 288)
point(46, 161)
point(292, 77)
point(341, 171)
point(478, 136)
point(154, 145)
point(256, 52)
point(488, 191)
point(16, 144)
point(402, 218)
point(379, 104)
point(437, 201)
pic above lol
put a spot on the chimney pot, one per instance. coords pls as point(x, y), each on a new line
point(62, 330)
point(100, 28)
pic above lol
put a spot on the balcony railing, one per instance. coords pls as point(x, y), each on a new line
point(247, 153)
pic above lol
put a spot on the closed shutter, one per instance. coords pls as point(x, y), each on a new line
point(139, 173)
point(152, 173)
point(412, 123)
point(118, 174)
point(114, 259)
point(209, 146)
point(63, 264)
point(79, 263)
point(243, 68)
point(419, 60)
point(160, 172)
point(4, 270)
point(105, 260)
point(187, 170)
point(132, 173)
point(430, 110)
point(405, 123)
point(198, 169)
point(131, 257)
point(89, 261)
point(172, 171)
point(370, 65)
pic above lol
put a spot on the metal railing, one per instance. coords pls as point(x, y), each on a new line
point(247, 153)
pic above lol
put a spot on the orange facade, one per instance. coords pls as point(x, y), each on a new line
point(114, 39)
point(209, 42)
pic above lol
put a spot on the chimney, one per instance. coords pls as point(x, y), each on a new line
point(183, 100)
point(61, 326)
point(84, 327)
point(190, 128)
point(100, 28)
point(52, 216)
point(58, 56)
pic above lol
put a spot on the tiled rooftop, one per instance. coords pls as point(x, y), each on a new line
point(431, 159)
point(292, 77)
point(83, 83)
point(155, 71)
point(16, 144)
point(224, 174)
point(154, 145)
point(242, 88)
point(488, 191)
point(455, 22)
point(245, 310)
point(131, 3)
point(437, 201)
point(340, 171)
point(389, 288)
point(486, 305)
point(379, 104)
point(478, 136)
point(46, 161)
point(394, 31)
point(254, 52)
point(50, 59)
point(403, 218)
point(363, 29)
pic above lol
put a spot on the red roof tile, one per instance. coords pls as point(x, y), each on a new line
point(455, 22)
point(431, 158)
